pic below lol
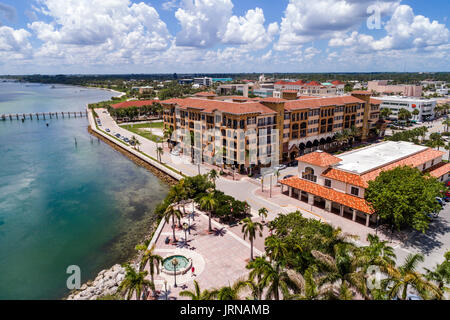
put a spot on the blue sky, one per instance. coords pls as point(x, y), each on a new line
point(124, 36)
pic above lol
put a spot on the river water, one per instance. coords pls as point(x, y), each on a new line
point(64, 203)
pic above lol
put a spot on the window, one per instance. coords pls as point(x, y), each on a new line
point(355, 191)
point(328, 183)
point(309, 174)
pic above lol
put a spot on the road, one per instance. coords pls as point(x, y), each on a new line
point(433, 244)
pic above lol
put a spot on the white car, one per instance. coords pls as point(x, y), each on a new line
point(175, 153)
point(280, 167)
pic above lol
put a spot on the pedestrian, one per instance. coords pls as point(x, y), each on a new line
point(193, 271)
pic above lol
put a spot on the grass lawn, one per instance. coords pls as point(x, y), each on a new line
point(138, 128)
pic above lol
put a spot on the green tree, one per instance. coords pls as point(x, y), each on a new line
point(441, 273)
point(415, 113)
point(208, 203)
point(406, 276)
point(385, 113)
point(197, 294)
point(173, 213)
point(149, 257)
point(272, 277)
point(404, 114)
point(403, 197)
point(262, 212)
point(250, 229)
point(276, 248)
point(134, 282)
point(159, 152)
point(213, 175)
point(436, 140)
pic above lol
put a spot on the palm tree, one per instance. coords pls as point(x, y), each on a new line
point(197, 294)
point(171, 212)
point(341, 271)
point(250, 229)
point(415, 113)
point(277, 174)
point(262, 212)
point(441, 273)
point(377, 253)
point(446, 123)
point(404, 277)
point(385, 113)
point(213, 175)
point(159, 152)
point(153, 259)
point(276, 248)
point(436, 140)
point(273, 277)
point(133, 141)
point(208, 203)
point(167, 135)
point(134, 282)
point(404, 114)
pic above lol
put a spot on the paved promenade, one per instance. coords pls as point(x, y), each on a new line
point(213, 252)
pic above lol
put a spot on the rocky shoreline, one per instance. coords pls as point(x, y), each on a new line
point(108, 280)
point(106, 283)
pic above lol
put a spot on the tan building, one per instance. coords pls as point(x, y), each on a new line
point(338, 184)
point(292, 127)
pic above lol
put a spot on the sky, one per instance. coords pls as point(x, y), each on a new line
point(223, 36)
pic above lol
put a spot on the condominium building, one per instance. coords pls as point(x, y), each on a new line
point(338, 184)
point(311, 88)
point(249, 131)
point(395, 103)
point(382, 86)
point(205, 81)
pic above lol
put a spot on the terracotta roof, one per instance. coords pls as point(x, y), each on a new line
point(337, 82)
point(135, 103)
point(205, 94)
point(209, 106)
point(375, 101)
point(321, 159)
point(361, 92)
point(413, 161)
point(241, 98)
point(439, 169)
point(272, 99)
point(293, 83)
point(321, 102)
point(313, 83)
point(330, 194)
point(346, 177)
point(290, 91)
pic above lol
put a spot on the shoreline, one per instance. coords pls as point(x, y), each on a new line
point(92, 285)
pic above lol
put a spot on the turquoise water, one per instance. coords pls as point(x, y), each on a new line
point(63, 203)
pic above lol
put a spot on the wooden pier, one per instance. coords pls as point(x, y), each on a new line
point(44, 115)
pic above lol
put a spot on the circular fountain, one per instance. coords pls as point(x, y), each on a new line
point(177, 264)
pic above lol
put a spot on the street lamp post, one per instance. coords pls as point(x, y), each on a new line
point(165, 288)
point(270, 195)
point(185, 228)
point(175, 263)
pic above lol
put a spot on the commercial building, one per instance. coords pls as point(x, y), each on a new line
point(338, 184)
point(311, 88)
point(395, 103)
point(382, 87)
point(293, 127)
point(205, 81)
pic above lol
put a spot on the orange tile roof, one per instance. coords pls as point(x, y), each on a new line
point(205, 94)
point(413, 161)
point(296, 83)
point(350, 201)
point(361, 92)
point(321, 102)
point(346, 177)
point(272, 99)
point(375, 101)
point(321, 159)
point(337, 82)
point(313, 83)
point(135, 103)
point(209, 106)
point(290, 91)
point(439, 169)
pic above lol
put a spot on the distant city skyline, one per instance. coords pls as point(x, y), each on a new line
point(223, 36)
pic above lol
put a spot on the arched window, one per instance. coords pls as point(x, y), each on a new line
point(308, 174)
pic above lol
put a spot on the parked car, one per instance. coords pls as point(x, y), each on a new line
point(117, 135)
point(288, 176)
point(126, 140)
point(175, 152)
point(107, 130)
point(280, 167)
point(440, 200)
